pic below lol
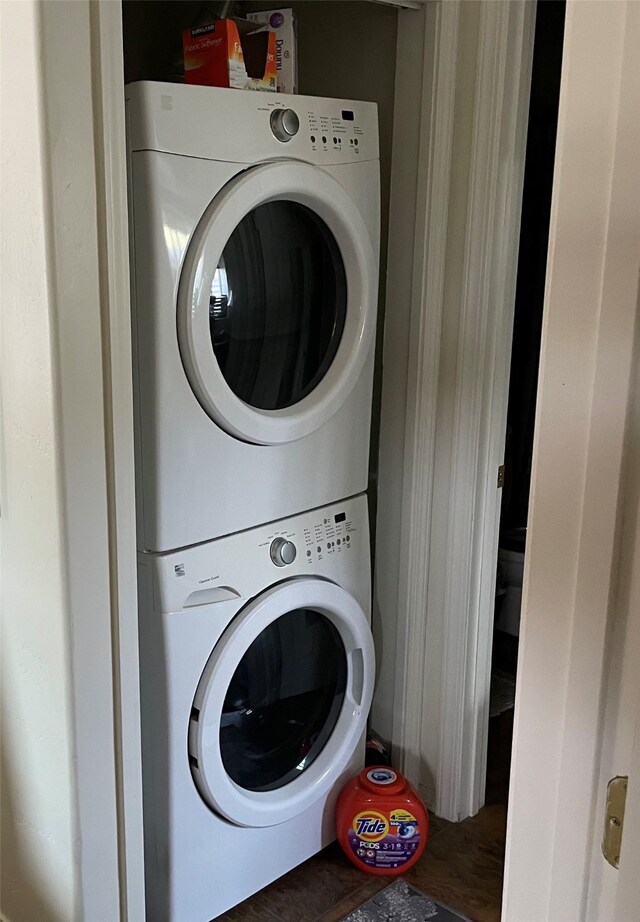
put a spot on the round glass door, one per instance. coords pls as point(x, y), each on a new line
point(277, 302)
point(277, 306)
point(282, 702)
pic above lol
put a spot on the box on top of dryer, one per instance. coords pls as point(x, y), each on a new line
point(230, 53)
point(282, 23)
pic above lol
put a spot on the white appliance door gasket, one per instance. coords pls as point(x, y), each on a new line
point(269, 808)
point(317, 190)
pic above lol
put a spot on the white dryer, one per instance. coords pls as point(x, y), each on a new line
point(255, 233)
point(257, 676)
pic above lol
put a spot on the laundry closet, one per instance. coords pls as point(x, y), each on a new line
point(346, 51)
point(451, 83)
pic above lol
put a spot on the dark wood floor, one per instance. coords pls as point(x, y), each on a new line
point(462, 865)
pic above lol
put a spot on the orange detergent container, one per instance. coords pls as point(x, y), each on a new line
point(381, 822)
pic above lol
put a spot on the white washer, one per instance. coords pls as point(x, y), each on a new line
point(256, 679)
point(255, 232)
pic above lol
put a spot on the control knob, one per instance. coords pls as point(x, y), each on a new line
point(284, 124)
point(282, 552)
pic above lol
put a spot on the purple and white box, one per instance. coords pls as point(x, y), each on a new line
point(283, 23)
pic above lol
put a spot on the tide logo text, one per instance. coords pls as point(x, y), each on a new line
point(371, 826)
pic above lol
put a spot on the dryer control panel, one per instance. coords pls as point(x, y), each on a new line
point(216, 123)
point(324, 131)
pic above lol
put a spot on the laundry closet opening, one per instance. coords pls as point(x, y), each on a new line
point(348, 50)
point(523, 379)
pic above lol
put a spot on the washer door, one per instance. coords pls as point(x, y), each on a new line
point(282, 702)
point(277, 302)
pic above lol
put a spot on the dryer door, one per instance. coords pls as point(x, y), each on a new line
point(282, 702)
point(277, 302)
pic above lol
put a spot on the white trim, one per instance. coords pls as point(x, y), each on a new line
point(113, 230)
point(403, 4)
point(590, 313)
point(72, 216)
point(475, 91)
point(434, 163)
point(477, 424)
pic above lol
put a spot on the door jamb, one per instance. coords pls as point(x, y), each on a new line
point(435, 563)
point(577, 501)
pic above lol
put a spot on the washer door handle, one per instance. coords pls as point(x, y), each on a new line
point(356, 672)
point(211, 595)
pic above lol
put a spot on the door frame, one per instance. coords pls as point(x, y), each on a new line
point(539, 826)
point(82, 858)
point(107, 68)
point(445, 387)
point(578, 503)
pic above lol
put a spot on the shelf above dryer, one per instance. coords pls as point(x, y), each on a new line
point(402, 4)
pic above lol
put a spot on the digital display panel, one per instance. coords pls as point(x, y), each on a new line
point(341, 517)
point(347, 115)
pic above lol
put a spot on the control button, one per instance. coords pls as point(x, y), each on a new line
point(308, 553)
point(319, 549)
point(338, 542)
point(324, 140)
point(282, 552)
point(348, 538)
point(284, 124)
point(356, 142)
point(328, 545)
point(313, 139)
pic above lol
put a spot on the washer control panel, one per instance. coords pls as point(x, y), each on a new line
point(329, 535)
point(323, 536)
point(331, 542)
point(319, 537)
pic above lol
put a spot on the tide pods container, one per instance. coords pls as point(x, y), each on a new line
point(381, 822)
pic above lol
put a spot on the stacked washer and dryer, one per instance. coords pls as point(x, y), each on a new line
point(255, 229)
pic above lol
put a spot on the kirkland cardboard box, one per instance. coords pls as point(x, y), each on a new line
point(282, 23)
point(230, 52)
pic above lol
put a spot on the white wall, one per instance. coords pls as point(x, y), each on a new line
point(61, 856)
point(39, 822)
